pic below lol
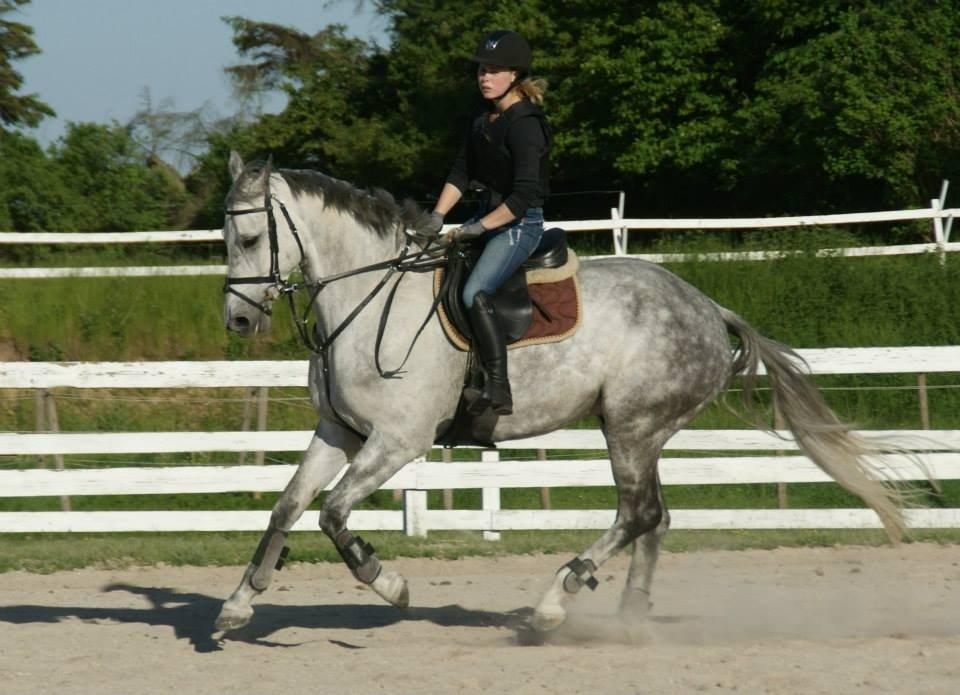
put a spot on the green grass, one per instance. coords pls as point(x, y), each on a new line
point(802, 301)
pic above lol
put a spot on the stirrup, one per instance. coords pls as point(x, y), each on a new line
point(479, 400)
point(505, 406)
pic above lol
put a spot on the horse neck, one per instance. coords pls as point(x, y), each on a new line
point(335, 242)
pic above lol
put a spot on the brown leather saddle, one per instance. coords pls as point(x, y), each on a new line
point(512, 301)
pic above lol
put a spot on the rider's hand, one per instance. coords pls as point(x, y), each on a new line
point(435, 225)
point(466, 232)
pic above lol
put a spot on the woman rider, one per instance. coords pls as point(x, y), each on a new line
point(507, 153)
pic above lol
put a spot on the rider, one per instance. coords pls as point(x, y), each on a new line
point(507, 153)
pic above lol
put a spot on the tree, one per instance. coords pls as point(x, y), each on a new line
point(856, 103)
point(119, 188)
point(340, 115)
point(167, 135)
point(33, 197)
point(711, 107)
point(16, 43)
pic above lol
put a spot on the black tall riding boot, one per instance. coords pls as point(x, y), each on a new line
point(491, 346)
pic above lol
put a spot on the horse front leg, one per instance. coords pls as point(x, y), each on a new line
point(377, 461)
point(328, 452)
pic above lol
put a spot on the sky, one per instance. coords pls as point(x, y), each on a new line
point(98, 56)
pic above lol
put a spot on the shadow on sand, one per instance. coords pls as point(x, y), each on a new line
point(192, 615)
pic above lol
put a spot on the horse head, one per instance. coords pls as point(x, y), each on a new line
point(263, 248)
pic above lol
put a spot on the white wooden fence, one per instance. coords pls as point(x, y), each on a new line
point(941, 452)
point(619, 227)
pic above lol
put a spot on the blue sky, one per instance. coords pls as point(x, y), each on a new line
point(99, 55)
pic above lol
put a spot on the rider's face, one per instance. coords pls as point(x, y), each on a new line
point(494, 80)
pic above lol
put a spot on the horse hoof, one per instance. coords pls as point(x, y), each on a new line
point(547, 619)
point(392, 588)
point(233, 618)
point(635, 604)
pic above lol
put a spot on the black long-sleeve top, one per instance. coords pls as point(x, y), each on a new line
point(508, 156)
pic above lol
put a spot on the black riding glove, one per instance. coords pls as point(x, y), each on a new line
point(466, 232)
point(435, 225)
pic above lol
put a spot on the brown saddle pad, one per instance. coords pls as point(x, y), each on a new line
point(557, 307)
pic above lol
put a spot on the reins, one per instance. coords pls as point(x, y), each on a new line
point(419, 261)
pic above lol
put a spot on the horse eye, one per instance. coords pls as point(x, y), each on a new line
point(249, 242)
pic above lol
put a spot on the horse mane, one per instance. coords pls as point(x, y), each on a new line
point(374, 208)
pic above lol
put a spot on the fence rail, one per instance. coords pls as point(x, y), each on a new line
point(935, 211)
point(287, 373)
point(769, 461)
point(619, 227)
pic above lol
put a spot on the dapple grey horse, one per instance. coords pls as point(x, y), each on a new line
point(651, 352)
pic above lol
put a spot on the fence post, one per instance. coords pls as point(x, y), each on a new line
point(491, 495)
point(779, 424)
point(924, 406)
point(939, 235)
point(447, 494)
point(544, 491)
point(263, 402)
point(41, 422)
point(414, 506)
point(624, 232)
point(249, 396)
point(620, 234)
point(53, 422)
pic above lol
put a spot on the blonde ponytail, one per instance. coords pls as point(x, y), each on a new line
point(532, 88)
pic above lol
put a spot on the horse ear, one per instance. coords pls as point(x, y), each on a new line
point(236, 165)
point(268, 169)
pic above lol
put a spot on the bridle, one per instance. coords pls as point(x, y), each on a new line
point(275, 278)
point(421, 260)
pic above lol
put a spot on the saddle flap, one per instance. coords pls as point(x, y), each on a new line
point(513, 306)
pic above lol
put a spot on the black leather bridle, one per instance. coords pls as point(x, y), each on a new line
point(422, 260)
point(274, 278)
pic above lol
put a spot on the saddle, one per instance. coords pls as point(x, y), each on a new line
point(538, 304)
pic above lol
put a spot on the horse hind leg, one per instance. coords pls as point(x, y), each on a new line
point(635, 601)
point(639, 511)
point(323, 459)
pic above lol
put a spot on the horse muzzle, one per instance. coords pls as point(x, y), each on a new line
point(246, 321)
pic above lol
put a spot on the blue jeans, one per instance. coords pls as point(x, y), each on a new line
point(505, 249)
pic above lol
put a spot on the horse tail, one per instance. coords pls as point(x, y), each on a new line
point(820, 434)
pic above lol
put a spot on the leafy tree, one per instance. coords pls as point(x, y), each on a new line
point(856, 104)
point(711, 107)
point(96, 178)
point(16, 43)
point(340, 116)
point(33, 197)
point(110, 172)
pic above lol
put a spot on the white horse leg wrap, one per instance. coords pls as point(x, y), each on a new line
point(581, 573)
point(270, 555)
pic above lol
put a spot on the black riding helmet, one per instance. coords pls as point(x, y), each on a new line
point(506, 48)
